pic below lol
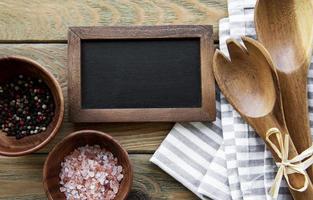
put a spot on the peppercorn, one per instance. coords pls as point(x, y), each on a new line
point(25, 106)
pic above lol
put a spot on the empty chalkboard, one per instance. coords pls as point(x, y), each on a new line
point(141, 74)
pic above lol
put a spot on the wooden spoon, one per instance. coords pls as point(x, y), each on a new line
point(250, 84)
point(285, 28)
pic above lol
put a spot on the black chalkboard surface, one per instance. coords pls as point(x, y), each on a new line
point(154, 73)
point(162, 73)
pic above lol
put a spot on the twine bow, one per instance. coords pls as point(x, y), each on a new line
point(296, 165)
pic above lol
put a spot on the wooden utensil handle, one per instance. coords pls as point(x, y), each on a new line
point(296, 180)
point(261, 127)
point(294, 97)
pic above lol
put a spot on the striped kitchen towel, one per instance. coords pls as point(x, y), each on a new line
point(225, 159)
point(188, 149)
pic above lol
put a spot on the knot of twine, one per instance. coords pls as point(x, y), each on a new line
point(296, 165)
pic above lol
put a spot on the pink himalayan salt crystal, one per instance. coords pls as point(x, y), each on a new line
point(90, 173)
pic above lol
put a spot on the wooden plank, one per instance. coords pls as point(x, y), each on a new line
point(135, 137)
point(21, 178)
point(49, 20)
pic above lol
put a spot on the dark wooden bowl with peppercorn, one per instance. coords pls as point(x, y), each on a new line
point(31, 106)
point(67, 149)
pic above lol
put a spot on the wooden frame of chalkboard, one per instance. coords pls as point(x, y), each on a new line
point(86, 42)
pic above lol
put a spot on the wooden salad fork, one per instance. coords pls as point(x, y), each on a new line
point(249, 82)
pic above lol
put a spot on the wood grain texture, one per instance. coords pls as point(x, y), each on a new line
point(21, 178)
point(44, 20)
point(135, 137)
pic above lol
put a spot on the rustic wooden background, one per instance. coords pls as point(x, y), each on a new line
point(38, 29)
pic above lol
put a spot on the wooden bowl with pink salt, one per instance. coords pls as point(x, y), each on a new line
point(87, 164)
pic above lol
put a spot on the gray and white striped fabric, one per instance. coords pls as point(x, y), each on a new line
point(188, 149)
point(224, 160)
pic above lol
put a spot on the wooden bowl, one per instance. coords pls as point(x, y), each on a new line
point(52, 166)
point(11, 67)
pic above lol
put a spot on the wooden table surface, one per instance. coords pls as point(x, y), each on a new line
point(38, 29)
